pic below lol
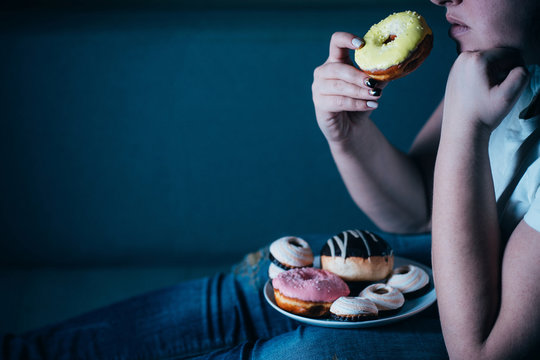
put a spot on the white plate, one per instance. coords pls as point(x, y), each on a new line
point(410, 308)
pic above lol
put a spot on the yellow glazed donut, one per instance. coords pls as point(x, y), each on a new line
point(395, 46)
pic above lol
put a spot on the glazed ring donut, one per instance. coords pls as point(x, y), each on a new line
point(395, 47)
point(385, 297)
point(289, 252)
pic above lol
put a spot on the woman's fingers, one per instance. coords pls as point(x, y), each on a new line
point(347, 73)
point(338, 85)
point(341, 87)
point(344, 88)
point(340, 44)
point(340, 71)
point(338, 103)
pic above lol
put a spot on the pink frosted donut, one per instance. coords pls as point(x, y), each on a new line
point(308, 291)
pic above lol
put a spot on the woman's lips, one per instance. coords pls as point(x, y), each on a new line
point(457, 30)
point(457, 27)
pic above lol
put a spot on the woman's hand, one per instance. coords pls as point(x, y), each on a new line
point(482, 88)
point(342, 94)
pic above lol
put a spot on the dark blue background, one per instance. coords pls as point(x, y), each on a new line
point(170, 137)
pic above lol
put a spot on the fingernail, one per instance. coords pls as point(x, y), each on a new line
point(357, 42)
point(375, 92)
point(372, 104)
point(370, 82)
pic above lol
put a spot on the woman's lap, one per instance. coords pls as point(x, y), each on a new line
point(420, 339)
point(223, 316)
point(416, 339)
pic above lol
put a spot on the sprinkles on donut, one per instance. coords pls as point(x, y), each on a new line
point(395, 47)
point(308, 291)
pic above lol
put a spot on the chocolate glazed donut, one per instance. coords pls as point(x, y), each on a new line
point(358, 256)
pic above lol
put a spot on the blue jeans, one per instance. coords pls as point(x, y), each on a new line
point(226, 317)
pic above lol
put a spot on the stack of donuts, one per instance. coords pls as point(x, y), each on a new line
point(349, 258)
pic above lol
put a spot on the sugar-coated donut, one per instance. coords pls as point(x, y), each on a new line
point(409, 279)
point(308, 291)
point(395, 46)
point(357, 255)
point(289, 252)
point(386, 298)
point(348, 308)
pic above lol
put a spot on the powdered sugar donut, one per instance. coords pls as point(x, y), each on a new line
point(289, 252)
point(386, 298)
point(308, 291)
point(409, 279)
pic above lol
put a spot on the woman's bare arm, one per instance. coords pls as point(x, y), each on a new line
point(424, 153)
point(487, 294)
point(488, 310)
point(388, 185)
point(393, 188)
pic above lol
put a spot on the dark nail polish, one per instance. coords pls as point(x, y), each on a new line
point(371, 82)
point(375, 92)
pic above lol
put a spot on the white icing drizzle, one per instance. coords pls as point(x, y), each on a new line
point(274, 270)
point(296, 255)
point(332, 248)
point(408, 278)
point(366, 244)
point(342, 244)
point(372, 236)
point(348, 305)
point(383, 296)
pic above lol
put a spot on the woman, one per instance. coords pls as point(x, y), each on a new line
point(485, 228)
point(485, 252)
point(485, 222)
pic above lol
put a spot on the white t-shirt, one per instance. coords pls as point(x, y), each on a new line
point(518, 197)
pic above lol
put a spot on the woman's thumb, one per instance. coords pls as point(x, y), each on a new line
point(510, 89)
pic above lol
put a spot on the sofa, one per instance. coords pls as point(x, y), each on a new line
point(142, 144)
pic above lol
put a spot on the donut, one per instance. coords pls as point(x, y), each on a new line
point(409, 279)
point(387, 299)
point(395, 46)
point(357, 256)
point(308, 291)
point(348, 308)
point(289, 252)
